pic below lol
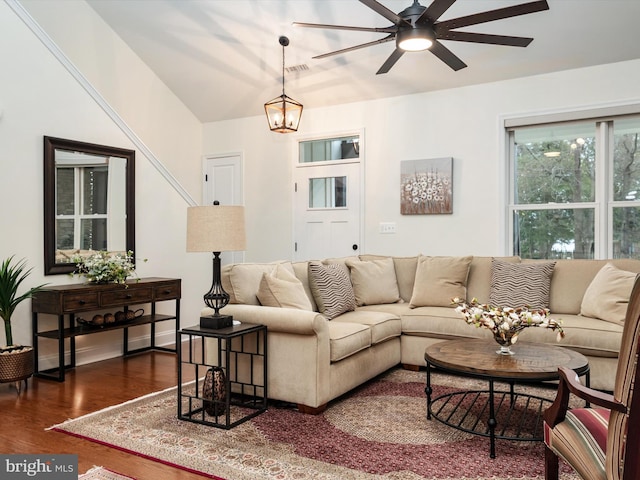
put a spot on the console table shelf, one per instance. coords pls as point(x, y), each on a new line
point(66, 301)
point(89, 329)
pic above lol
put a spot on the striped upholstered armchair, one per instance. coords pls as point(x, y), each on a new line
point(594, 441)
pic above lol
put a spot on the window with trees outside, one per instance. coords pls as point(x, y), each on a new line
point(575, 188)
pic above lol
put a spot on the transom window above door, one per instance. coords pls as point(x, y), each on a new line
point(329, 149)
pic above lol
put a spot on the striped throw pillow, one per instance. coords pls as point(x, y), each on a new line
point(331, 288)
point(520, 284)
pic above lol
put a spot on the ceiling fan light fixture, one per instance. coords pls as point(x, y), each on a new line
point(414, 39)
point(283, 112)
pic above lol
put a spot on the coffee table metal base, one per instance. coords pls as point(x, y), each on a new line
point(496, 413)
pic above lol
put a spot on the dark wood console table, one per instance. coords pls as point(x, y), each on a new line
point(69, 300)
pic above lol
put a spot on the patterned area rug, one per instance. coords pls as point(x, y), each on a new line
point(379, 431)
point(101, 473)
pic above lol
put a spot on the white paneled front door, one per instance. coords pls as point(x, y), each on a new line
point(327, 210)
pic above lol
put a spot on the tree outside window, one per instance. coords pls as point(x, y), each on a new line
point(574, 187)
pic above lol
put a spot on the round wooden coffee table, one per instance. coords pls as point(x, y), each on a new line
point(508, 414)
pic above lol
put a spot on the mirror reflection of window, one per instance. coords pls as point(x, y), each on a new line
point(90, 202)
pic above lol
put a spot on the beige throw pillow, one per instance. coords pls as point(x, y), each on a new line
point(245, 279)
point(520, 284)
point(439, 280)
point(374, 282)
point(331, 288)
point(282, 289)
point(607, 297)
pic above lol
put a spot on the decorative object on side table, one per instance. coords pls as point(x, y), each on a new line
point(216, 228)
point(214, 390)
point(16, 361)
point(120, 316)
point(105, 267)
point(506, 323)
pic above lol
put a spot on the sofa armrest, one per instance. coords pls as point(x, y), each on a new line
point(289, 320)
point(299, 351)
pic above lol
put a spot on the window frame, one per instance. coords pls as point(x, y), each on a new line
point(603, 204)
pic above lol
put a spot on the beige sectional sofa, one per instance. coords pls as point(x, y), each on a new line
point(403, 304)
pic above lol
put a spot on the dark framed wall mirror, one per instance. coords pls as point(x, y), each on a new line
point(89, 201)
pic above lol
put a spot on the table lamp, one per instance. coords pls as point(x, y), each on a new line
point(216, 228)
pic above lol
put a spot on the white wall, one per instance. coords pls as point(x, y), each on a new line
point(462, 123)
point(39, 97)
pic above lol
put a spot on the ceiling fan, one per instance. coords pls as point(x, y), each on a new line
point(417, 28)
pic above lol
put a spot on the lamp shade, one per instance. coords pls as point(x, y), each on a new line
point(215, 228)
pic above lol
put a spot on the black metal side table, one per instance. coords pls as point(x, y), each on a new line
point(240, 353)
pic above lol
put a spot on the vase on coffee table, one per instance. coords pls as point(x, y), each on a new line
point(506, 338)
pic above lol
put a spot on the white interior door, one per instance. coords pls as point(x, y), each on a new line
point(223, 182)
point(327, 211)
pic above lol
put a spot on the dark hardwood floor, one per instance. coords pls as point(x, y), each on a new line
point(87, 388)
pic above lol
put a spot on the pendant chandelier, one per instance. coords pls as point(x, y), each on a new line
point(283, 113)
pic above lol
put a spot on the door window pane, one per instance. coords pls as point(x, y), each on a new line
point(329, 149)
point(554, 233)
point(328, 192)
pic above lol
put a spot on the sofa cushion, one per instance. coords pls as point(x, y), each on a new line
point(301, 270)
point(405, 273)
point(571, 278)
point(607, 297)
point(439, 322)
point(246, 277)
point(346, 338)
point(331, 288)
point(439, 280)
point(478, 283)
point(588, 336)
point(520, 284)
point(374, 282)
point(382, 325)
point(281, 288)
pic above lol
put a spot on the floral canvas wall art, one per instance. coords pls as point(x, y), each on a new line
point(426, 186)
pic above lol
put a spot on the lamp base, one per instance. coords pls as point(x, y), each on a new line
point(216, 322)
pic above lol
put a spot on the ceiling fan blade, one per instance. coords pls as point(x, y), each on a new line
point(492, 15)
point(435, 10)
point(447, 56)
point(385, 12)
point(347, 27)
point(485, 38)
point(356, 47)
point(391, 61)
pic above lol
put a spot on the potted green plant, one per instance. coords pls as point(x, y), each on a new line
point(16, 361)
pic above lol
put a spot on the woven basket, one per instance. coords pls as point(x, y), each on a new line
point(16, 366)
